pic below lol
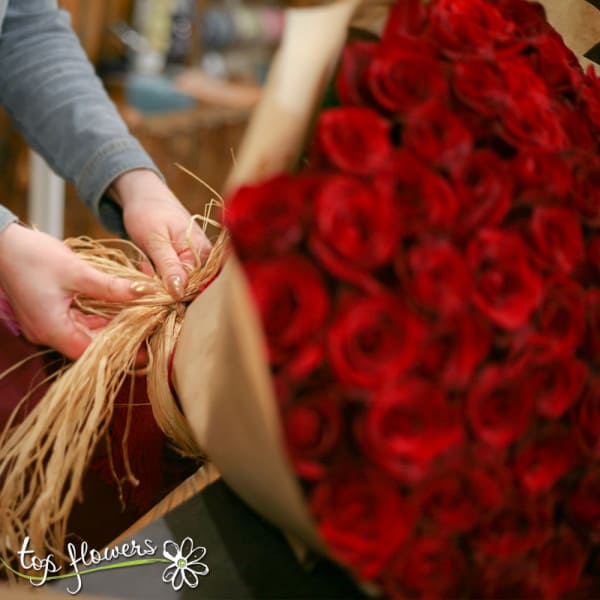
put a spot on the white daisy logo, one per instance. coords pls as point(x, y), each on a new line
point(186, 565)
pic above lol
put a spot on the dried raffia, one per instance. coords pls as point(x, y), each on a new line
point(44, 457)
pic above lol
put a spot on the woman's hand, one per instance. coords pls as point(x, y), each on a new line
point(40, 277)
point(158, 223)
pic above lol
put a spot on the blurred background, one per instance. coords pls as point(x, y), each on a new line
point(184, 74)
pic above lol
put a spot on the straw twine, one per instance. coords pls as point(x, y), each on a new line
point(43, 458)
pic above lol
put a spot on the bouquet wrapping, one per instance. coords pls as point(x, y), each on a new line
point(400, 368)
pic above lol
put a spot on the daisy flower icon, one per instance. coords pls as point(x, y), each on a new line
point(186, 563)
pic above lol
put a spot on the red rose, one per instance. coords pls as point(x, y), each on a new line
point(587, 187)
point(530, 122)
point(561, 316)
point(593, 252)
point(350, 235)
point(291, 300)
point(542, 460)
point(440, 200)
point(437, 136)
point(481, 85)
point(312, 426)
point(373, 340)
point(507, 288)
point(407, 424)
point(439, 279)
point(560, 564)
point(592, 345)
point(554, 383)
point(430, 567)
point(404, 77)
point(521, 81)
point(268, 218)
point(590, 98)
point(584, 504)
point(588, 417)
point(499, 408)
point(576, 126)
point(485, 187)
point(558, 238)
point(362, 518)
point(530, 17)
point(510, 580)
point(542, 177)
point(513, 530)
point(464, 26)
point(402, 184)
point(555, 63)
point(405, 18)
point(353, 139)
point(424, 200)
point(456, 499)
point(457, 344)
point(588, 586)
point(304, 361)
point(351, 83)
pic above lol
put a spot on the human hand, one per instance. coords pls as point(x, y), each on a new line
point(40, 277)
point(158, 223)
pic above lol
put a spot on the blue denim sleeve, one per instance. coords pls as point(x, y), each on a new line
point(55, 99)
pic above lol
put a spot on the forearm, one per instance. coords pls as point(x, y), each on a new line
point(55, 99)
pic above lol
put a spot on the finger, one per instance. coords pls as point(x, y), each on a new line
point(67, 336)
point(92, 323)
point(146, 268)
point(169, 267)
point(95, 284)
point(201, 248)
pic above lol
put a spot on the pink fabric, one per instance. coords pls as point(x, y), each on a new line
point(8, 316)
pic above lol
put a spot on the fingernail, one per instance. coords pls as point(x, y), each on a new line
point(176, 286)
point(141, 288)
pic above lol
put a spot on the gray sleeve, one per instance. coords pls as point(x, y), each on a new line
point(50, 90)
point(6, 218)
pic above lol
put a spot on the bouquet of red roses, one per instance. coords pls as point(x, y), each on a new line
point(429, 291)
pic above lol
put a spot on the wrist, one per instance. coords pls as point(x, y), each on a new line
point(126, 185)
